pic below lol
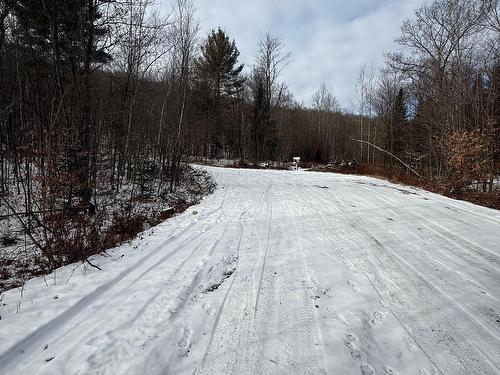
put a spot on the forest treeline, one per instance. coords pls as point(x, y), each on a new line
point(87, 80)
point(97, 95)
point(436, 104)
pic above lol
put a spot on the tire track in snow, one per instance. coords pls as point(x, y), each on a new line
point(427, 281)
point(362, 271)
point(151, 318)
point(42, 335)
point(311, 315)
point(471, 315)
point(444, 234)
point(464, 206)
point(161, 365)
point(259, 286)
point(447, 233)
point(216, 337)
point(447, 255)
point(283, 307)
point(478, 215)
point(239, 334)
point(436, 284)
point(232, 329)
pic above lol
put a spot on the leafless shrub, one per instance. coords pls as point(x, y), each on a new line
point(469, 158)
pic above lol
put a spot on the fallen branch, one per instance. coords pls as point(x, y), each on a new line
point(388, 153)
point(93, 265)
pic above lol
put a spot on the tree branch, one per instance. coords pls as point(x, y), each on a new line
point(388, 153)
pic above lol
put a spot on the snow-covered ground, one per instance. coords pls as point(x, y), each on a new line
point(277, 272)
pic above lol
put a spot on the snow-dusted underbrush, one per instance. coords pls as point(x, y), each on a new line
point(38, 239)
point(213, 162)
point(241, 163)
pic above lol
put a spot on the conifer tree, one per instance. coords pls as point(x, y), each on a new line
point(66, 36)
point(219, 72)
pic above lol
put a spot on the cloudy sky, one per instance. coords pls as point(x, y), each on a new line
point(329, 40)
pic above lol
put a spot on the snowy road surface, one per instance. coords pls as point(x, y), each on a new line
point(276, 273)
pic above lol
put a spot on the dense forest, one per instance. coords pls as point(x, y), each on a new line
point(110, 98)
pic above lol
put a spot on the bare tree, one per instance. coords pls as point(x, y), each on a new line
point(142, 43)
point(324, 104)
point(364, 90)
point(268, 92)
point(184, 33)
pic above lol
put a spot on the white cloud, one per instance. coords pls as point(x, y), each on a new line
point(329, 40)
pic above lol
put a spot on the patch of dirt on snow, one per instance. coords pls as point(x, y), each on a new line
point(219, 273)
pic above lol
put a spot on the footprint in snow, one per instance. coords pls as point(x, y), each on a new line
point(367, 369)
point(209, 310)
point(378, 318)
point(353, 285)
point(351, 342)
point(184, 343)
point(383, 303)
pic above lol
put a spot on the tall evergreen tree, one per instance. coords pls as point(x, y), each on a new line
point(218, 70)
point(64, 32)
point(66, 36)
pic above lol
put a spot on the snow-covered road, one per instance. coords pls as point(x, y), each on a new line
point(276, 273)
